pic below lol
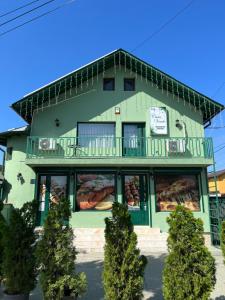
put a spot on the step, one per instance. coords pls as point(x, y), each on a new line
point(93, 239)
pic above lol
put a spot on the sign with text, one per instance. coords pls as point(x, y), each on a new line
point(158, 120)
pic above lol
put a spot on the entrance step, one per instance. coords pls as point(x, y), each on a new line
point(93, 240)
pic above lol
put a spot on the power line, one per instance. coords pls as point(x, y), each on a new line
point(219, 149)
point(18, 8)
point(218, 89)
point(26, 12)
point(216, 127)
point(163, 25)
point(36, 18)
point(220, 145)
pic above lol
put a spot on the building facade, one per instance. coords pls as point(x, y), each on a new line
point(116, 129)
point(220, 183)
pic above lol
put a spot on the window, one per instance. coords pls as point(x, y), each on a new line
point(172, 190)
point(96, 135)
point(108, 84)
point(56, 187)
point(135, 192)
point(129, 84)
point(95, 191)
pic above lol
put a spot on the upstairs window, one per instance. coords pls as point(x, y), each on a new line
point(108, 84)
point(96, 135)
point(129, 84)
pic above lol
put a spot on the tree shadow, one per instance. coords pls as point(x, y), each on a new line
point(220, 298)
point(93, 270)
point(153, 277)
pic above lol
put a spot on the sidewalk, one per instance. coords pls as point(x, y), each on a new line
point(92, 265)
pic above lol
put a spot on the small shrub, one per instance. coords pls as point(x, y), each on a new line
point(189, 271)
point(223, 239)
point(56, 256)
point(19, 263)
point(123, 266)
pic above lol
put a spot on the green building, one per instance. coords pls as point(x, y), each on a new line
point(117, 129)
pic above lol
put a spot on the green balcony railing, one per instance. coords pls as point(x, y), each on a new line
point(110, 147)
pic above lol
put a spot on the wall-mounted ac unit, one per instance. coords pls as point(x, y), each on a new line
point(176, 146)
point(47, 144)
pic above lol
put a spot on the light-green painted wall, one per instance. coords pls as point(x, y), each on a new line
point(18, 192)
point(93, 104)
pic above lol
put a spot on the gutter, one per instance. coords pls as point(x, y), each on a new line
point(3, 162)
point(207, 125)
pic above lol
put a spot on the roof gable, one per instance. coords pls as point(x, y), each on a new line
point(50, 94)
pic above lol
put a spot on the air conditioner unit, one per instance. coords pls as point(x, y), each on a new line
point(47, 144)
point(176, 146)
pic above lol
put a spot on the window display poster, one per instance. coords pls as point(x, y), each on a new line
point(58, 189)
point(172, 190)
point(158, 120)
point(132, 191)
point(95, 191)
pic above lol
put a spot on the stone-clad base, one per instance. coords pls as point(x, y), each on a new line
point(92, 239)
point(88, 240)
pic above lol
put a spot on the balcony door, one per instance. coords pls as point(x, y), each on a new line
point(135, 195)
point(134, 139)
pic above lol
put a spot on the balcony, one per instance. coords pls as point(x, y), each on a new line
point(118, 150)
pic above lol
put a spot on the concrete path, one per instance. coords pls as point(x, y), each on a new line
point(92, 265)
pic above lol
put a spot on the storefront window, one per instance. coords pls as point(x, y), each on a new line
point(172, 190)
point(57, 187)
point(95, 191)
point(42, 193)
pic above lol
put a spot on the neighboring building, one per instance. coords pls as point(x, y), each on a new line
point(220, 182)
point(116, 129)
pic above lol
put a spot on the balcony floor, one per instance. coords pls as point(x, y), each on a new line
point(119, 161)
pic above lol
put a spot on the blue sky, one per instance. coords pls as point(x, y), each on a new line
point(190, 49)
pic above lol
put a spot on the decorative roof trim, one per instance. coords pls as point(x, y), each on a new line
point(43, 96)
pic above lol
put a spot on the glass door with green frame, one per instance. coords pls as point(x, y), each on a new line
point(134, 139)
point(51, 189)
point(135, 194)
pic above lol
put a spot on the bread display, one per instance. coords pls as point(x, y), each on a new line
point(172, 190)
point(132, 193)
point(95, 191)
point(57, 189)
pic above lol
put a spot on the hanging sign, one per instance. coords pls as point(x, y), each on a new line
point(158, 120)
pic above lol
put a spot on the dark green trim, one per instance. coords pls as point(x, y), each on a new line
point(141, 216)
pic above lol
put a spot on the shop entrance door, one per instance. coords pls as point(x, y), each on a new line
point(51, 189)
point(133, 139)
point(135, 194)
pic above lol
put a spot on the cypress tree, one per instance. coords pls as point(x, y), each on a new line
point(222, 242)
point(189, 271)
point(56, 256)
point(19, 262)
point(123, 274)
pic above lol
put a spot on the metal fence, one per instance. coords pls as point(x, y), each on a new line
point(217, 216)
point(109, 147)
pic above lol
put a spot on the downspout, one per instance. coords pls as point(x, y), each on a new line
point(3, 161)
point(3, 172)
